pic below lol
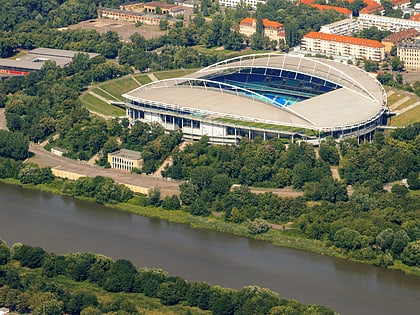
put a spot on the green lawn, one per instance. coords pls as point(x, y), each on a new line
point(406, 104)
point(143, 78)
point(98, 106)
point(119, 86)
point(162, 75)
point(409, 117)
point(395, 98)
point(104, 94)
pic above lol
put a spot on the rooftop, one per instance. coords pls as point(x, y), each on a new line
point(345, 39)
point(127, 154)
point(401, 35)
point(361, 97)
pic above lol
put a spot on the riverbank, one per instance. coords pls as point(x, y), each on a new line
point(290, 238)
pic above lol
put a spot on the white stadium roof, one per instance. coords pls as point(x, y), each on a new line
point(361, 99)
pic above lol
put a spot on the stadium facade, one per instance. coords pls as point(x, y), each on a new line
point(267, 95)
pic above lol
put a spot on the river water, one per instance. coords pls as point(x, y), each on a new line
point(63, 224)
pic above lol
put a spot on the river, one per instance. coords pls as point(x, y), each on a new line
point(63, 224)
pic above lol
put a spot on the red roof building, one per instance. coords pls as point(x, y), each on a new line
point(339, 45)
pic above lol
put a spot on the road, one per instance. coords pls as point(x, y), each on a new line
point(45, 158)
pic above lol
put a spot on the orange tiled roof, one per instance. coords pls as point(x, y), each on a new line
point(248, 20)
point(273, 24)
point(399, 2)
point(266, 22)
point(415, 17)
point(329, 7)
point(345, 39)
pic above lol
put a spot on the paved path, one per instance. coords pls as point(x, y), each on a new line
point(3, 123)
point(45, 158)
point(399, 112)
point(152, 77)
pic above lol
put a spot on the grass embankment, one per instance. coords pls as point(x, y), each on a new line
point(409, 117)
point(162, 75)
point(97, 105)
point(291, 238)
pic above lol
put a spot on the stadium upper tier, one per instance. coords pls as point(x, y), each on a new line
point(272, 91)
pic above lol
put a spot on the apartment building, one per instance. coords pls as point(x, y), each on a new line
point(385, 23)
point(409, 53)
point(339, 45)
point(344, 27)
point(395, 38)
point(234, 3)
point(271, 29)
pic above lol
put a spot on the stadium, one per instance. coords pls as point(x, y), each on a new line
point(268, 95)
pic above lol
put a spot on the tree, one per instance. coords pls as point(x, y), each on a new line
point(80, 301)
point(347, 238)
point(13, 145)
point(401, 240)
point(4, 253)
point(385, 239)
point(411, 254)
point(171, 203)
point(120, 276)
point(258, 226)
point(371, 66)
point(397, 64)
point(154, 196)
point(413, 180)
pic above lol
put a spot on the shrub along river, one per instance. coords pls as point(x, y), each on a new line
point(63, 224)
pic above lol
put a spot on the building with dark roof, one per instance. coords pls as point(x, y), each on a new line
point(398, 37)
point(36, 58)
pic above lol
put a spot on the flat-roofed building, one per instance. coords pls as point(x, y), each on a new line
point(385, 23)
point(395, 38)
point(339, 45)
point(125, 160)
point(272, 29)
point(343, 27)
point(165, 8)
point(131, 16)
point(36, 58)
point(409, 52)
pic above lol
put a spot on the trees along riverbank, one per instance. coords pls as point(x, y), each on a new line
point(35, 281)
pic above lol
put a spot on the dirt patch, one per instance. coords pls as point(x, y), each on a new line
point(124, 29)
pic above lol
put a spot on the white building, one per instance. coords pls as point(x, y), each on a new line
point(4, 311)
point(344, 27)
point(272, 29)
point(234, 3)
point(339, 45)
point(409, 52)
point(385, 23)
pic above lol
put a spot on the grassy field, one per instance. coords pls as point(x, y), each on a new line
point(406, 104)
point(98, 106)
point(104, 94)
point(409, 117)
point(119, 86)
point(393, 98)
point(162, 75)
point(142, 78)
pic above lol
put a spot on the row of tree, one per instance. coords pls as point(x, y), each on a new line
point(22, 291)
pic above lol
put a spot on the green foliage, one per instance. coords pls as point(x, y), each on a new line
point(31, 257)
point(4, 253)
point(171, 203)
point(258, 226)
point(33, 174)
point(13, 145)
point(154, 196)
point(411, 254)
